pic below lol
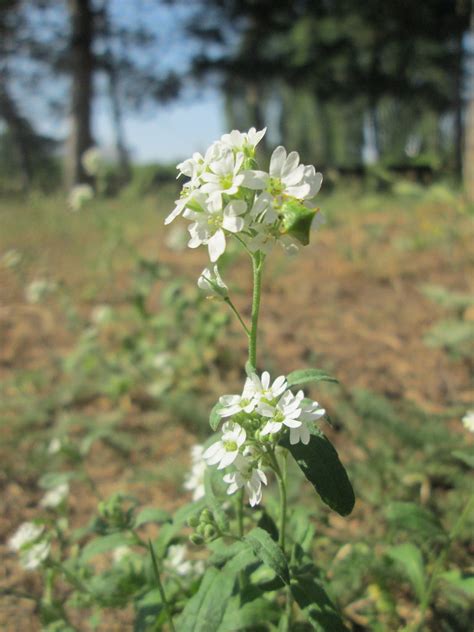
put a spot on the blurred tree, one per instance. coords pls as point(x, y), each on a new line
point(468, 171)
point(370, 63)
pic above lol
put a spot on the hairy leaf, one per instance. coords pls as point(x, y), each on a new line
point(151, 514)
point(316, 605)
point(269, 552)
point(410, 560)
point(304, 376)
point(104, 544)
point(320, 464)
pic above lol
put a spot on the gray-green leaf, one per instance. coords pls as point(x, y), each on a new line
point(320, 464)
point(269, 552)
point(303, 376)
point(316, 605)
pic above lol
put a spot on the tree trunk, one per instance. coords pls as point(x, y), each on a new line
point(468, 162)
point(82, 69)
point(21, 133)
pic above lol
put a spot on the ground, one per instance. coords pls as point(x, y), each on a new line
point(351, 303)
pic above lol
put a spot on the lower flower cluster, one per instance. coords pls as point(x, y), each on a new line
point(255, 422)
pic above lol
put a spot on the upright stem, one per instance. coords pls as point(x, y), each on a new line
point(257, 263)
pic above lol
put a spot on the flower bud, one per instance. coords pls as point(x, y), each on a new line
point(193, 521)
point(211, 282)
point(196, 539)
point(209, 532)
point(207, 516)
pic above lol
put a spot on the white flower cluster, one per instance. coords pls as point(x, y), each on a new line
point(226, 195)
point(256, 421)
point(39, 289)
point(29, 540)
point(468, 420)
point(194, 481)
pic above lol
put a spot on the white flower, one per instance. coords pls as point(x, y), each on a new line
point(263, 390)
point(176, 559)
point(310, 412)
point(194, 481)
point(26, 533)
point(225, 451)
point(120, 553)
point(286, 176)
point(55, 496)
point(101, 314)
point(468, 420)
point(193, 199)
point(223, 176)
point(38, 289)
point(177, 239)
point(233, 404)
point(79, 195)
point(32, 557)
point(11, 258)
point(211, 282)
point(92, 160)
point(208, 227)
point(244, 142)
point(54, 446)
point(249, 477)
point(265, 238)
point(285, 413)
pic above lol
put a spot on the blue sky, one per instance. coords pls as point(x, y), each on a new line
point(173, 132)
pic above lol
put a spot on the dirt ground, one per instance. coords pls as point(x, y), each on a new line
point(350, 302)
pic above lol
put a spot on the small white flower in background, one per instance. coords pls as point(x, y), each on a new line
point(211, 282)
point(101, 314)
point(162, 360)
point(11, 258)
point(26, 533)
point(468, 420)
point(55, 496)
point(177, 239)
point(120, 553)
point(38, 289)
point(176, 559)
point(33, 556)
point(92, 161)
point(54, 446)
point(225, 451)
point(208, 227)
point(233, 404)
point(194, 481)
point(79, 196)
point(248, 477)
point(285, 413)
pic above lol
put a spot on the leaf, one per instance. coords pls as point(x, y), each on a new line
point(409, 558)
point(214, 417)
point(416, 519)
point(463, 583)
point(320, 464)
point(204, 612)
point(267, 523)
point(53, 479)
point(151, 514)
point(303, 376)
point(316, 605)
point(466, 457)
point(104, 544)
point(297, 220)
point(242, 616)
point(269, 552)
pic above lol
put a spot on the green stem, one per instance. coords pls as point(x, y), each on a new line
point(160, 587)
point(240, 513)
point(257, 263)
point(236, 312)
point(283, 504)
point(439, 563)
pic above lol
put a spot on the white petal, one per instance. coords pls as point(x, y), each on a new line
point(255, 180)
point(277, 161)
point(233, 224)
point(301, 191)
point(216, 245)
point(226, 460)
point(265, 379)
point(291, 163)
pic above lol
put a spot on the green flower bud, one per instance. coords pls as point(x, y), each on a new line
point(209, 532)
point(193, 521)
point(207, 516)
point(196, 539)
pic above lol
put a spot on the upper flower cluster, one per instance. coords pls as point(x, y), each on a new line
point(256, 421)
point(226, 194)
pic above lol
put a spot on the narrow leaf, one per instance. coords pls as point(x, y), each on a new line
point(269, 552)
point(104, 544)
point(414, 518)
point(316, 605)
point(320, 464)
point(151, 514)
point(240, 616)
point(409, 558)
point(214, 417)
point(304, 376)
